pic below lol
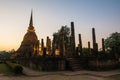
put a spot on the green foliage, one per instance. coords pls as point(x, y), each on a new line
point(4, 69)
point(85, 52)
point(112, 43)
point(114, 77)
point(64, 32)
point(15, 67)
point(5, 54)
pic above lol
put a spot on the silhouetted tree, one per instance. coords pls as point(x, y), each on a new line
point(112, 44)
point(64, 32)
point(85, 52)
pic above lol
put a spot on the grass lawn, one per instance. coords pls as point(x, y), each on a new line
point(114, 77)
point(4, 69)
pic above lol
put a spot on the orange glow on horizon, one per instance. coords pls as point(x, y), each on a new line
point(8, 47)
point(5, 47)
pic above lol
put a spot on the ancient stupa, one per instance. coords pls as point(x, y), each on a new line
point(30, 45)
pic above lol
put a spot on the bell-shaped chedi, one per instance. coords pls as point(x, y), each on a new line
point(30, 44)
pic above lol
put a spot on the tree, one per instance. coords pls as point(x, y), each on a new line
point(85, 52)
point(112, 44)
point(61, 40)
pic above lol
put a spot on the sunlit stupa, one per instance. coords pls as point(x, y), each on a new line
point(30, 45)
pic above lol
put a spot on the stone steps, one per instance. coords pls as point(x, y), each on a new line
point(74, 64)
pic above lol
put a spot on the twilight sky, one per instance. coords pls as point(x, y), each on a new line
point(50, 15)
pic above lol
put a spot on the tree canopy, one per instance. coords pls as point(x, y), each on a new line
point(62, 37)
point(112, 43)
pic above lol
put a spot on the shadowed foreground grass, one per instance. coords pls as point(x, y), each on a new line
point(4, 69)
point(114, 77)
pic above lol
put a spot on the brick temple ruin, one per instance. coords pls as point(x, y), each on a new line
point(58, 54)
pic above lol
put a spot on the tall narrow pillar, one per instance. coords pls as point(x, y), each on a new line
point(89, 47)
point(48, 46)
point(43, 48)
point(53, 45)
point(93, 37)
point(96, 48)
point(72, 40)
point(94, 41)
point(44, 52)
point(63, 42)
point(103, 45)
point(42, 45)
point(37, 47)
point(80, 44)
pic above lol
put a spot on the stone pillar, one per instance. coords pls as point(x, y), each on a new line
point(103, 45)
point(94, 41)
point(89, 47)
point(72, 40)
point(78, 50)
point(93, 37)
point(96, 48)
point(80, 44)
point(48, 46)
point(53, 45)
point(38, 46)
point(36, 49)
point(42, 45)
point(63, 50)
point(44, 52)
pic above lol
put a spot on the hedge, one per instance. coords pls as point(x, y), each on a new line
point(15, 67)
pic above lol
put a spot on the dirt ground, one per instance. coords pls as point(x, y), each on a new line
point(51, 77)
point(62, 75)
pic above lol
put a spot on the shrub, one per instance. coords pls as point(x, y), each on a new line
point(15, 67)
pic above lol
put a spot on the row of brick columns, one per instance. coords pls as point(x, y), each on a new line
point(72, 44)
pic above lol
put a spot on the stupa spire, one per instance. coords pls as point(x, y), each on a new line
point(31, 19)
point(31, 28)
